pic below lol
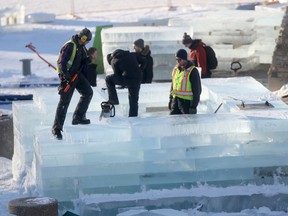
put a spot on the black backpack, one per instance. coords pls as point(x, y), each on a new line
point(212, 61)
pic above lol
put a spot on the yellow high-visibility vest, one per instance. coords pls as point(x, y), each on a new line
point(182, 87)
point(70, 62)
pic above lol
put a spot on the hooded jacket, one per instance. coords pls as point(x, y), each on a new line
point(147, 72)
point(198, 55)
point(125, 64)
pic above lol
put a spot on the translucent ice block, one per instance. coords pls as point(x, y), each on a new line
point(240, 162)
point(65, 147)
point(148, 33)
point(117, 168)
point(198, 176)
point(187, 124)
point(242, 51)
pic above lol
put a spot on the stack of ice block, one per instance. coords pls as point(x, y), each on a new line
point(235, 36)
point(265, 43)
point(164, 41)
point(30, 117)
point(12, 16)
point(23, 136)
point(154, 150)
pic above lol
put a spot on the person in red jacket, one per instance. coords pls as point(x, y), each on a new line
point(197, 54)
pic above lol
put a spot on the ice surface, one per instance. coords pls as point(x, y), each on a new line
point(158, 212)
point(154, 150)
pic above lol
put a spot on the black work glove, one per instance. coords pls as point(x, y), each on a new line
point(192, 110)
point(170, 102)
point(67, 76)
point(61, 87)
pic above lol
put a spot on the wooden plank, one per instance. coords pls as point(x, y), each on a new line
point(264, 105)
point(157, 109)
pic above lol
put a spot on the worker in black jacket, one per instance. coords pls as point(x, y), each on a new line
point(126, 73)
point(186, 86)
point(146, 67)
point(89, 70)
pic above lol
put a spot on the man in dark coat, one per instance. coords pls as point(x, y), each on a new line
point(126, 73)
point(144, 51)
point(73, 56)
point(90, 68)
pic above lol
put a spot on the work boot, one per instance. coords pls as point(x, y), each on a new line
point(78, 120)
point(57, 133)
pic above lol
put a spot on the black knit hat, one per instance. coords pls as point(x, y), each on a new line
point(139, 43)
point(186, 39)
point(182, 54)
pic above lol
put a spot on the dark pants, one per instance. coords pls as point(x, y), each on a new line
point(133, 92)
point(147, 76)
point(83, 87)
point(179, 106)
point(207, 75)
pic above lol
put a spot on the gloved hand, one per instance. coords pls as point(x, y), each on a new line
point(61, 88)
point(192, 110)
point(170, 104)
point(67, 76)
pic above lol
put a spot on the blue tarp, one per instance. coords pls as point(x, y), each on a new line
point(247, 6)
point(4, 98)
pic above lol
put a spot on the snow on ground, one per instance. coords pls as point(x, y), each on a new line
point(49, 37)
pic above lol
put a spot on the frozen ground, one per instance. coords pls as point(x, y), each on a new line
point(48, 37)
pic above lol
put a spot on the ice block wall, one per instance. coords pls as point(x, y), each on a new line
point(240, 36)
point(155, 150)
point(164, 41)
point(12, 16)
point(237, 36)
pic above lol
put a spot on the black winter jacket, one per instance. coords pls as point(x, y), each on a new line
point(89, 71)
point(79, 60)
point(125, 64)
point(147, 72)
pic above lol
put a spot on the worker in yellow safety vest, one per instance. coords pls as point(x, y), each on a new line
point(72, 58)
point(186, 86)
